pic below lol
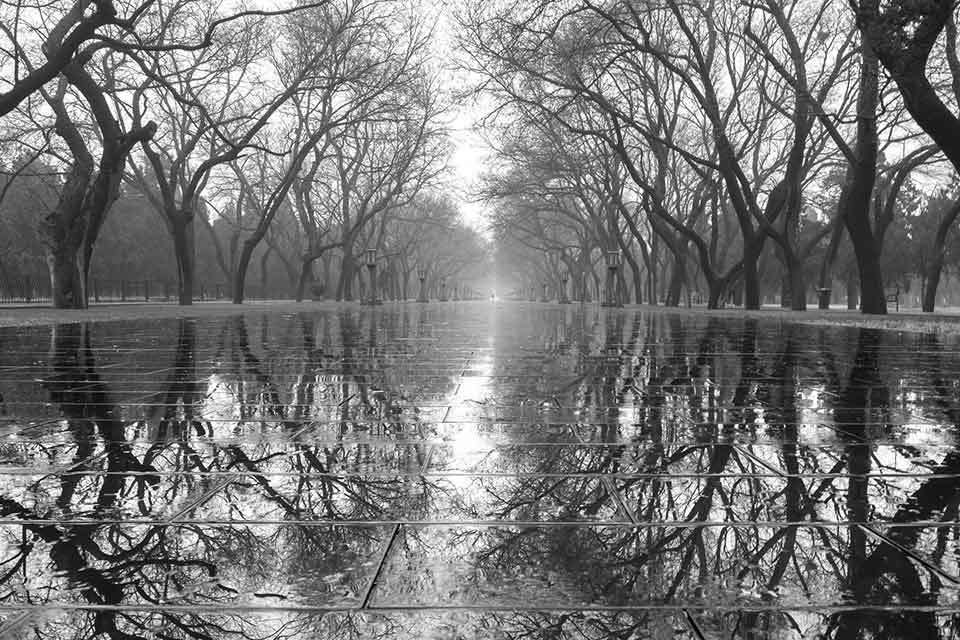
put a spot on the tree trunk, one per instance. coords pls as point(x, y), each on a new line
point(264, 273)
point(654, 271)
point(737, 294)
point(935, 265)
point(932, 280)
point(348, 273)
point(906, 60)
point(797, 282)
point(327, 272)
point(65, 278)
point(637, 277)
point(181, 227)
point(305, 265)
point(243, 263)
point(715, 290)
point(677, 277)
point(62, 229)
point(872, 298)
point(751, 276)
point(859, 187)
point(853, 293)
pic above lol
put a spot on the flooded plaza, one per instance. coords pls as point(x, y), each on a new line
point(478, 470)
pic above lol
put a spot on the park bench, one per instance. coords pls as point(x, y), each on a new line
point(893, 295)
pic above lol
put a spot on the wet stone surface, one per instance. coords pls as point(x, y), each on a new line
point(478, 471)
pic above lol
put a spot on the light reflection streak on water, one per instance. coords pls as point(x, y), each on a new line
point(467, 445)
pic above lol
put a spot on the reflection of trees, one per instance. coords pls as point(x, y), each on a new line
point(341, 382)
point(693, 484)
point(700, 491)
point(96, 563)
point(90, 415)
point(893, 572)
point(177, 410)
point(77, 547)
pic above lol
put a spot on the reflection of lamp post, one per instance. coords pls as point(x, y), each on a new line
point(612, 297)
point(564, 276)
point(422, 276)
point(371, 259)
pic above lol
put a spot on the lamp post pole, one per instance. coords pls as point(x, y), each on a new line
point(443, 290)
point(371, 259)
point(577, 293)
point(422, 276)
point(612, 295)
point(564, 276)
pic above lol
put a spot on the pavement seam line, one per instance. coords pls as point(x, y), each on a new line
point(201, 499)
point(383, 559)
point(14, 624)
point(692, 625)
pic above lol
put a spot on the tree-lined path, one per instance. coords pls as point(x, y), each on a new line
point(720, 153)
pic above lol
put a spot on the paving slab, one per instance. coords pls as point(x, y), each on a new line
point(477, 470)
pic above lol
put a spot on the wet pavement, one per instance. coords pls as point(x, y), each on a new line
point(473, 470)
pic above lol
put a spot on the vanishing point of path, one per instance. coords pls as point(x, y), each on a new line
point(477, 470)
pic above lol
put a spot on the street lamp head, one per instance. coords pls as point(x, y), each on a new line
point(371, 257)
point(613, 258)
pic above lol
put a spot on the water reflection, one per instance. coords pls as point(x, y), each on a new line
point(533, 472)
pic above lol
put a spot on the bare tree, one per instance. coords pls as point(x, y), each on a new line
point(378, 88)
point(71, 28)
point(216, 104)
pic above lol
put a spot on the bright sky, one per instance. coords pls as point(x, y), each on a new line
point(470, 152)
point(467, 163)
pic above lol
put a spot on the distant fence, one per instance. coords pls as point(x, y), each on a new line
point(103, 290)
point(37, 291)
point(25, 291)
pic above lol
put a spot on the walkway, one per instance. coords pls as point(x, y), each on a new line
point(472, 470)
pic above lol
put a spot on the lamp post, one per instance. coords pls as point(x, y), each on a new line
point(443, 290)
point(370, 256)
point(612, 296)
point(544, 297)
point(422, 277)
point(564, 276)
point(575, 256)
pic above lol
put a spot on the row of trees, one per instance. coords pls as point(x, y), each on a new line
point(427, 231)
point(304, 133)
point(709, 140)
